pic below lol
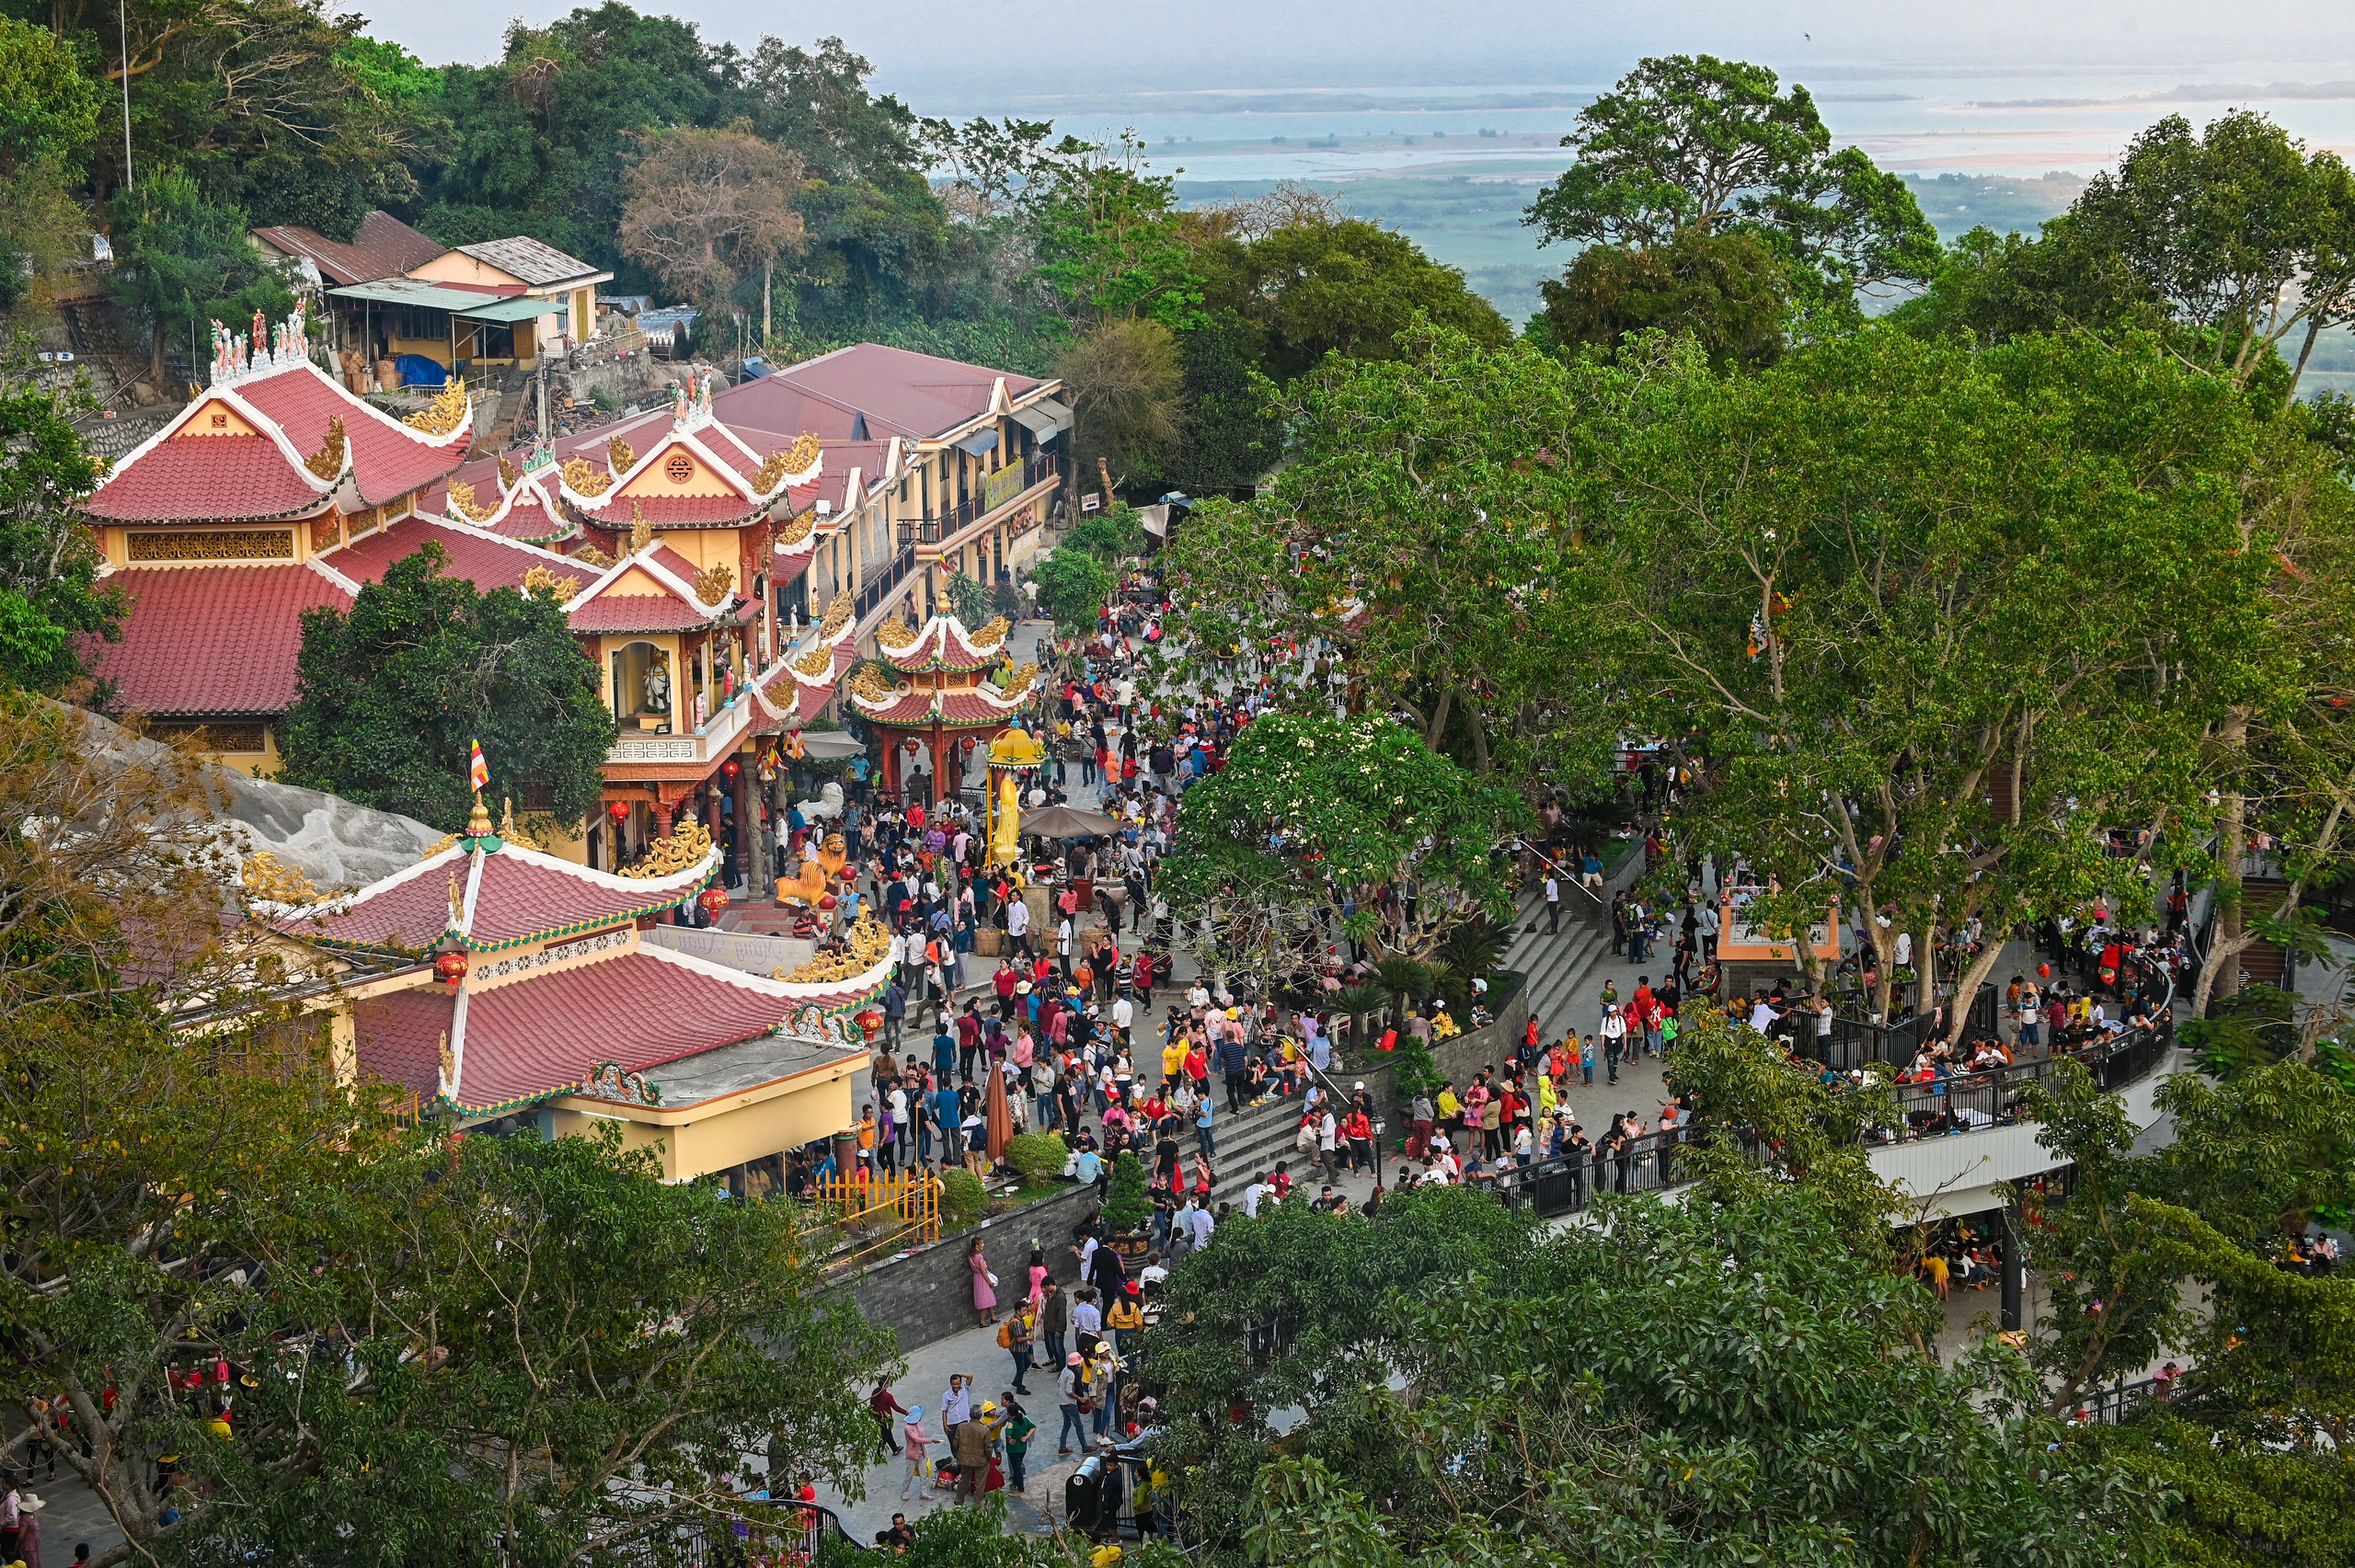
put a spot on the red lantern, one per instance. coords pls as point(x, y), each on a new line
point(449, 966)
point(872, 1022)
point(714, 900)
point(730, 767)
point(911, 744)
point(620, 808)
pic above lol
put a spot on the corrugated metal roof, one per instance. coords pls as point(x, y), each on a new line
point(528, 258)
point(416, 292)
point(384, 248)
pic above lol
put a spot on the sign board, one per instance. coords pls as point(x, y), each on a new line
point(1002, 487)
point(1091, 501)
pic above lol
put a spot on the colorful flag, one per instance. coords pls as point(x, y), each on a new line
point(481, 773)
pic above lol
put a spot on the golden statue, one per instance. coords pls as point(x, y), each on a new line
point(817, 876)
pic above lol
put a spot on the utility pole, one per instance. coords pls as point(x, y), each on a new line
point(122, 20)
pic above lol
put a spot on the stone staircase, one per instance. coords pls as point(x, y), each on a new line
point(1559, 970)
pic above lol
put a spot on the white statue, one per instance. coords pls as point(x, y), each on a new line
point(828, 805)
point(657, 687)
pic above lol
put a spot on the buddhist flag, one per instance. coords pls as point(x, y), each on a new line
point(481, 771)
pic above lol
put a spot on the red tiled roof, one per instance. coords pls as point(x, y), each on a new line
point(205, 478)
point(677, 512)
point(770, 411)
point(399, 1036)
point(957, 709)
point(544, 1034)
point(175, 657)
point(531, 521)
point(521, 898)
point(486, 563)
point(409, 910)
point(610, 613)
point(389, 460)
point(384, 248)
point(942, 643)
point(909, 394)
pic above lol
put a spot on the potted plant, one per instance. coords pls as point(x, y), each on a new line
point(1127, 1207)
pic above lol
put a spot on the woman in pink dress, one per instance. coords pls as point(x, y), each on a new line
point(985, 1285)
point(1038, 1278)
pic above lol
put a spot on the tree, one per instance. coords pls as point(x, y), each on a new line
point(1111, 535)
point(1420, 546)
point(1231, 434)
point(705, 210)
point(1073, 588)
point(1729, 290)
point(46, 124)
point(50, 595)
point(1127, 1205)
point(1859, 592)
point(182, 261)
point(390, 696)
point(1107, 234)
point(1315, 286)
point(2240, 232)
point(1994, 287)
point(1123, 378)
point(1683, 1382)
point(1352, 823)
point(1695, 144)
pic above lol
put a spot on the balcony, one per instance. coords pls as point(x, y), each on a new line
point(999, 491)
point(707, 746)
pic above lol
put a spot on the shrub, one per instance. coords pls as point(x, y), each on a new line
point(1039, 1156)
point(962, 1197)
point(1127, 1206)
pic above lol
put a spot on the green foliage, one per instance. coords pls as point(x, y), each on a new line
point(183, 261)
point(1471, 951)
point(48, 560)
point(1039, 1156)
point(1343, 286)
point(968, 600)
point(1473, 1389)
point(390, 695)
point(1107, 236)
point(1695, 144)
point(1730, 290)
point(1073, 588)
point(49, 113)
point(963, 1199)
point(1127, 1204)
point(1232, 433)
point(1408, 980)
point(1310, 810)
point(1112, 535)
point(2245, 1030)
point(1124, 382)
point(1998, 287)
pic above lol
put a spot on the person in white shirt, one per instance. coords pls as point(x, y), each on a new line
point(1085, 1316)
point(1062, 943)
point(1204, 1226)
point(1251, 1196)
point(1018, 926)
point(1123, 1012)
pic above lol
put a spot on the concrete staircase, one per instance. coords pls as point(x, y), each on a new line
point(1560, 970)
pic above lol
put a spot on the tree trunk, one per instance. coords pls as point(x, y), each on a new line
point(1990, 953)
point(1480, 726)
point(2313, 327)
point(155, 358)
point(768, 274)
point(1438, 726)
point(2220, 976)
point(1925, 966)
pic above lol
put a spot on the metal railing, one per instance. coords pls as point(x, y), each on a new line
point(1567, 1184)
point(785, 1531)
point(876, 589)
point(1990, 1097)
point(2113, 1404)
point(964, 514)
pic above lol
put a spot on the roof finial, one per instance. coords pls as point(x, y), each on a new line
point(479, 823)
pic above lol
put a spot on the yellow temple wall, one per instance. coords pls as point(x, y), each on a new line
point(733, 1130)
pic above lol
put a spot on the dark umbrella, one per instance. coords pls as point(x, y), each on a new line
point(1001, 1118)
point(1068, 822)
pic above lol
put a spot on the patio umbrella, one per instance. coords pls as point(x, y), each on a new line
point(1068, 822)
point(1001, 1118)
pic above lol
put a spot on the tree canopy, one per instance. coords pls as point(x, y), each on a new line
point(390, 697)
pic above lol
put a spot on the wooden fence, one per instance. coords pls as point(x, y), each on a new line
point(881, 1211)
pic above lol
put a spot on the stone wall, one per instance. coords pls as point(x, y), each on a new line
point(927, 1295)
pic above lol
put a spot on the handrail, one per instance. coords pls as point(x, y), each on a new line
point(1567, 874)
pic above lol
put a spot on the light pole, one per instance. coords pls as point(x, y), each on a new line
point(123, 22)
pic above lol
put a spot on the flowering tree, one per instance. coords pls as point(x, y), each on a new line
point(1318, 827)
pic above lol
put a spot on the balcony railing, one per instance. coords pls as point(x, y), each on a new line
point(998, 490)
point(709, 742)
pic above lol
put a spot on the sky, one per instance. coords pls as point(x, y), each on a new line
point(967, 55)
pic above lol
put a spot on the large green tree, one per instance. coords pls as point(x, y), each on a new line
point(1696, 144)
point(1312, 821)
point(390, 695)
point(1320, 285)
point(183, 261)
point(50, 595)
point(1706, 1382)
point(1859, 583)
point(1730, 291)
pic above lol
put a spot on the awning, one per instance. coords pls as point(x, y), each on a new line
point(514, 310)
point(985, 440)
point(1156, 519)
point(1044, 418)
point(412, 292)
point(830, 744)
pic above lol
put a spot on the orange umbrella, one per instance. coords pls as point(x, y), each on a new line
point(1001, 1118)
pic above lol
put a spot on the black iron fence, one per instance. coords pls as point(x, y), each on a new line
point(1991, 1098)
point(1856, 1042)
point(967, 513)
point(797, 1533)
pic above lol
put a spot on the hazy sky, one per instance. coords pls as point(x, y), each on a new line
point(966, 55)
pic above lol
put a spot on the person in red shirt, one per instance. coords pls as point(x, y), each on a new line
point(1004, 982)
point(1359, 1128)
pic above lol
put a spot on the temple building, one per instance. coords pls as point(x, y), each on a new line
point(510, 990)
point(950, 691)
